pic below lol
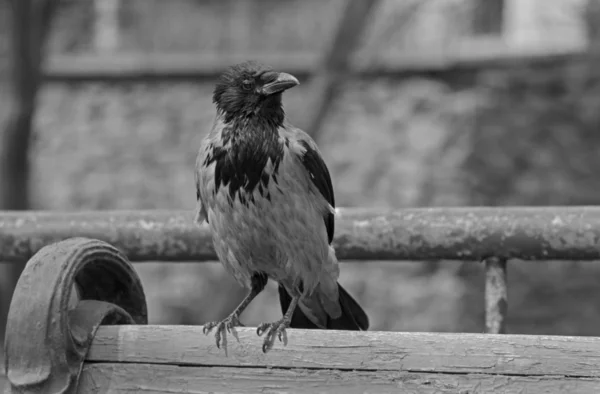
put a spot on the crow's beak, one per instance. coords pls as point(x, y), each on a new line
point(282, 81)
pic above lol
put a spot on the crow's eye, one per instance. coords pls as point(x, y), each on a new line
point(247, 85)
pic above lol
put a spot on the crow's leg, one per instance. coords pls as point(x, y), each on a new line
point(277, 329)
point(258, 283)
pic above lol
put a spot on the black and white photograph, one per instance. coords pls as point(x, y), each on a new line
point(300, 196)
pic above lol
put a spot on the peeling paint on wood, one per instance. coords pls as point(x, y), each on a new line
point(561, 233)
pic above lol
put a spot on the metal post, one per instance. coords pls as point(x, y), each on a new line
point(496, 295)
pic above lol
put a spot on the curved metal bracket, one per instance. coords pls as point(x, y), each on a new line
point(46, 340)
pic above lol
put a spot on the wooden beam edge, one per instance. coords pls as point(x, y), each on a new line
point(360, 351)
point(134, 378)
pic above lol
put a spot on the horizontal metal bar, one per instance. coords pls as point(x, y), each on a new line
point(562, 233)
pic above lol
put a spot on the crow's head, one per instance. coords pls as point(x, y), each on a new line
point(251, 89)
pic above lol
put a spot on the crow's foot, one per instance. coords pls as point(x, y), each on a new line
point(223, 327)
point(273, 330)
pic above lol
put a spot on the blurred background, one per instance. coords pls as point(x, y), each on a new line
point(413, 103)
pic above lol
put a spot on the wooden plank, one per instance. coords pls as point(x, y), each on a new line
point(469, 233)
point(148, 378)
point(362, 351)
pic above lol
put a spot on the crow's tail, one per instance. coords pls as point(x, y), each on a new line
point(353, 317)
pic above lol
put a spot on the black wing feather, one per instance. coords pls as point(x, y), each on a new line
point(319, 173)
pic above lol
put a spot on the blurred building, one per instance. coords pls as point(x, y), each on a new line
point(433, 138)
point(439, 28)
point(550, 23)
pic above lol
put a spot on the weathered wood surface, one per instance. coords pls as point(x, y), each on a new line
point(470, 233)
point(410, 352)
point(152, 378)
point(181, 359)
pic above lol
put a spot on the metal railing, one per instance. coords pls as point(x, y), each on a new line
point(490, 235)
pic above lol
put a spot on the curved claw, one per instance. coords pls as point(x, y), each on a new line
point(218, 338)
point(265, 348)
point(208, 327)
point(224, 343)
point(223, 327)
point(275, 330)
point(282, 335)
point(234, 333)
point(260, 330)
point(268, 343)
